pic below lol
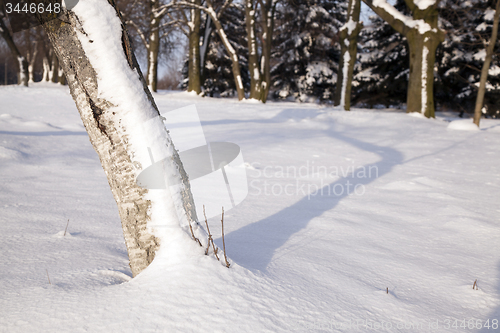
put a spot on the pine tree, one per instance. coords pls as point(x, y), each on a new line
point(218, 79)
point(382, 71)
point(460, 59)
point(306, 49)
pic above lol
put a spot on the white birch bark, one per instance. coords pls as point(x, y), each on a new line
point(123, 124)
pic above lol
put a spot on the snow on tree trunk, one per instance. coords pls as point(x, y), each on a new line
point(232, 54)
point(62, 77)
point(349, 49)
point(194, 75)
point(424, 36)
point(22, 67)
point(204, 48)
point(124, 126)
point(420, 97)
point(46, 69)
point(54, 71)
point(31, 62)
point(253, 66)
point(486, 66)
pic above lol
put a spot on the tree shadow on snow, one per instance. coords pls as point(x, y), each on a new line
point(255, 244)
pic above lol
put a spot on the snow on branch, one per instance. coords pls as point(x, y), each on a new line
point(424, 4)
point(396, 19)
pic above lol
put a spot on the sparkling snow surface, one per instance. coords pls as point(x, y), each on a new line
point(424, 223)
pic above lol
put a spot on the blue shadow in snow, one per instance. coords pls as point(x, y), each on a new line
point(255, 244)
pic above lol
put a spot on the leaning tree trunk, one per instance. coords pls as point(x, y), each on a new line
point(22, 67)
point(253, 57)
point(234, 58)
point(349, 50)
point(486, 66)
point(124, 128)
point(194, 75)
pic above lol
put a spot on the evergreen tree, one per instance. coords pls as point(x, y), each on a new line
point(461, 56)
point(382, 71)
point(218, 79)
point(306, 50)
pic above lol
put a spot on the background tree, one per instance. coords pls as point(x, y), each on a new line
point(382, 71)
point(22, 63)
point(147, 20)
point(486, 66)
point(306, 49)
point(348, 52)
point(424, 36)
point(215, 15)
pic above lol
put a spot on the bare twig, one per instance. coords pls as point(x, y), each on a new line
point(66, 228)
point(210, 239)
point(223, 243)
point(387, 290)
point(48, 276)
point(474, 285)
point(192, 234)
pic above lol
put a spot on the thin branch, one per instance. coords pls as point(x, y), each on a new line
point(224, 243)
point(139, 32)
point(192, 234)
point(210, 239)
point(66, 228)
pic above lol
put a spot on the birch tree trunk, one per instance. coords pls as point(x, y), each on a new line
point(22, 64)
point(424, 36)
point(123, 124)
point(253, 56)
point(349, 50)
point(486, 66)
point(194, 75)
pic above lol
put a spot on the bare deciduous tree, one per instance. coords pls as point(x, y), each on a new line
point(486, 66)
point(22, 63)
point(424, 36)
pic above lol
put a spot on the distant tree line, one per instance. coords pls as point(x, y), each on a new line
point(407, 55)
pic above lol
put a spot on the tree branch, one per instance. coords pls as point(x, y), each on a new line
point(392, 16)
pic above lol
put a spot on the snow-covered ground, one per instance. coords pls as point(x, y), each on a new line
point(341, 206)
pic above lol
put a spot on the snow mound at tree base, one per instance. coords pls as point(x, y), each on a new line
point(463, 125)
